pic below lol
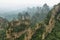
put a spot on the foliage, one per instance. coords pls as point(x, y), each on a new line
point(37, 35)
point(21, 37)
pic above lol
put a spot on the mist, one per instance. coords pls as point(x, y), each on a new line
point(13, 5)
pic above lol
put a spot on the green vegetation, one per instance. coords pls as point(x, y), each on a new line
point(21, 37)
point(37, 35)
point(32, 27)
point(2, 34)
point(19, 28)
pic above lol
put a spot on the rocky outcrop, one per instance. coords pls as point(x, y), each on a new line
point(17, 28)
point(3, 23)
point(52, 20)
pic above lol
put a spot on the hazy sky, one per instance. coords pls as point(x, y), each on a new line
point(14, 4)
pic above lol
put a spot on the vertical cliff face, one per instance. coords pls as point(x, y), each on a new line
point(55, 12)
point(22, 30)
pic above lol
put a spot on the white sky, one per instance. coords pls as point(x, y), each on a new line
point(12, 4)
